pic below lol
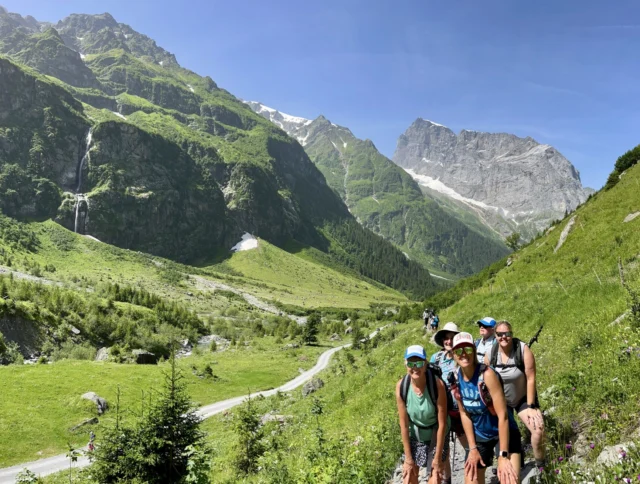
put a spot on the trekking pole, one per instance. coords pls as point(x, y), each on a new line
point(535, 337)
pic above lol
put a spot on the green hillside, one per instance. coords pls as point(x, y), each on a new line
point(111, 137)
point(588, 357)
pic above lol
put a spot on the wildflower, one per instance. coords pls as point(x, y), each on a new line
point(592, 445)
point(560, 459)
point(568, 446)
point(627, 480)
point(557, 471)
point(622, 454)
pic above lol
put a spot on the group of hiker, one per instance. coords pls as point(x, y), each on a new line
point(431, 320)
point(472, 390)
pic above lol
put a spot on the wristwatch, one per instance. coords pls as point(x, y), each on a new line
point(504, 453)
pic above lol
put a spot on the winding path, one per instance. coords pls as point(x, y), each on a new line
point(51, 465)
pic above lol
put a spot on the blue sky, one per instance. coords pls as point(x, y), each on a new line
point(564, 72)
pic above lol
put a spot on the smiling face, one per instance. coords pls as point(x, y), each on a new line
point(447, 340)
point(504, 335)
point(416, 367)
point(465, 355)
point(485, 331)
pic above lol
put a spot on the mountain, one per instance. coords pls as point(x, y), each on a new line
point(514, 184)
point(102, 130)
point(386, 200)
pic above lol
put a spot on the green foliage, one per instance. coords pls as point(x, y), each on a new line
point(25, 476)
point(623, 163)
point(311, 329)
point(165, 446)
point(249, 446)
point(513, 241)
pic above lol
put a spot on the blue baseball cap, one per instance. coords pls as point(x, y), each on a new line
point(487, 321)
point(415, 350)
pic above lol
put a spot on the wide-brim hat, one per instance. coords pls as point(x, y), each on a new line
point(447, 328)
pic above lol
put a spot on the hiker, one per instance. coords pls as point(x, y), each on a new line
point(487, 338)
point(421, 397)
point(444, 360)
point(515, 363)
point(425, 316)
point(486, 419)
point(435, 321)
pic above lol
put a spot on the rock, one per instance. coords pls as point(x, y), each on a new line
point(101, 403)
point(89, 421)
point(312, 386)
point(145, 357)
point(511, 180)
point(291, 346)
point(335, 337)
point(190, 294)
point(613, 454)
point(509, 261)
point(349, 330)
point(347, 322)
point(103, 354)
point(630, 217)
point(75, 330)
point(269, 417)
point(565, 233)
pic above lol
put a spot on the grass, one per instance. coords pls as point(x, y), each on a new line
point(40, 403)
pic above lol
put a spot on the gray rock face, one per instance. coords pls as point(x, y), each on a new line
point(103, 354)
point(312, 386)
point(144, 357)
point(516, 178)
point(101, 403)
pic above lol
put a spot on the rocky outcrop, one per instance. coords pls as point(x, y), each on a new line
point(101, 404)
point(312, 386)
point(144, 357)
point(518, 179)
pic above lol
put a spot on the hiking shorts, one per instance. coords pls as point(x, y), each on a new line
point(487, 449)
point(423, 453)
point(522, 405)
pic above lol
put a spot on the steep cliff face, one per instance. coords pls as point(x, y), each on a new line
point(519, 181)
point(147, 155)
point(385, 199)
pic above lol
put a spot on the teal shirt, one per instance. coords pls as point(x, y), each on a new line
point(422, 412)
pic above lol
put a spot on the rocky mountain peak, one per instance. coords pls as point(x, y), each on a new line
point(527, 183)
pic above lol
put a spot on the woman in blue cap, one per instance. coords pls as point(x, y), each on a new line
point(424, 424)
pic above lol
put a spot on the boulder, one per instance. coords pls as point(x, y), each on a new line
point(101, 403)
point(334, 337)
point(103, 354)
point(349, 330)
point(312, 386)
point(144, 357)
point(614, 453)
point(270, 417)
point(291, 346)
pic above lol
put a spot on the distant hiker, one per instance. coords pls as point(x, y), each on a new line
point(515, 363)
point(487, 326)
point(444, 360)
point(426, 316)
point(421, 396)
point(486, 419)
point(435, 321)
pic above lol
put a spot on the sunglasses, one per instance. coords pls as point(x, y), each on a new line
point(504, 334)
point(468, 350)
point(415, 364)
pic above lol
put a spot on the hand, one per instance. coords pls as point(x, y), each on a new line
point(407, 467)
point(534, 418)
point(506, 472)
point(437, 470)
point(471, 466)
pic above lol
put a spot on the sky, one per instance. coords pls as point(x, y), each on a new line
point(563, 72)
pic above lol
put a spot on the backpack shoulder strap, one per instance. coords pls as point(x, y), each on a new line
point(519, 356)
point(494, 355)
point(404, 388)
point(477, 342)
point(432, 386)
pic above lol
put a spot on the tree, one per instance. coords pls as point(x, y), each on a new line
point(160, 447)
point(250, 446)
point(513, 241)
point(311, 328)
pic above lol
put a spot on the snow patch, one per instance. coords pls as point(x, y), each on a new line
point(303, 140)
point(286, 117)
point(405, 254)
point(125, 35)
point(248, 242)
point(79, 38)
point(190, 87)
point(334, 145)
point(118, 114)
point(82, 56)
point(161, 63)
point(439, 277)
point(435, 124)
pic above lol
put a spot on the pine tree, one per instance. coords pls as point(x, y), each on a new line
point(311, 328)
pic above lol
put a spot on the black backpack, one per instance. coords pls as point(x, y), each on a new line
point(433, 374)
point(518, 359)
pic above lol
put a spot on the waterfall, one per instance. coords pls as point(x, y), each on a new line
point(82, 161)
point(79, 219)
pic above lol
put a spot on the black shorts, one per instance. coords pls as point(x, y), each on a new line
point(522, 405)
point(456, 424)
point(487, 449)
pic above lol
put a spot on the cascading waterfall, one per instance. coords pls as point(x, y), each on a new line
point(81, 201)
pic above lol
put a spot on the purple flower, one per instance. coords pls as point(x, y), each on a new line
point(560, 459)
point(622, 454)
point(592, 445)
point(574, 389)
point(557, 471)
point(568, 446)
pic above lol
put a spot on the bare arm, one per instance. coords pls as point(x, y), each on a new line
point(404, 424)
point(530, 372)
point(471, 464)
point(442, 424)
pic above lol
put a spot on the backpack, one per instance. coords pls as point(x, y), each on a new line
point(518, 359)
point(485, 396)
point(433, 374)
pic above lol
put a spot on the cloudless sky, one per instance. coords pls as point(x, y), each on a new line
point(565, 72)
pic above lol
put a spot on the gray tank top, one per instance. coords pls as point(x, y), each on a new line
point(515, 381)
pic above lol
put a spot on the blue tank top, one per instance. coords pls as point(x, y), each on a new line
point(485, 425)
